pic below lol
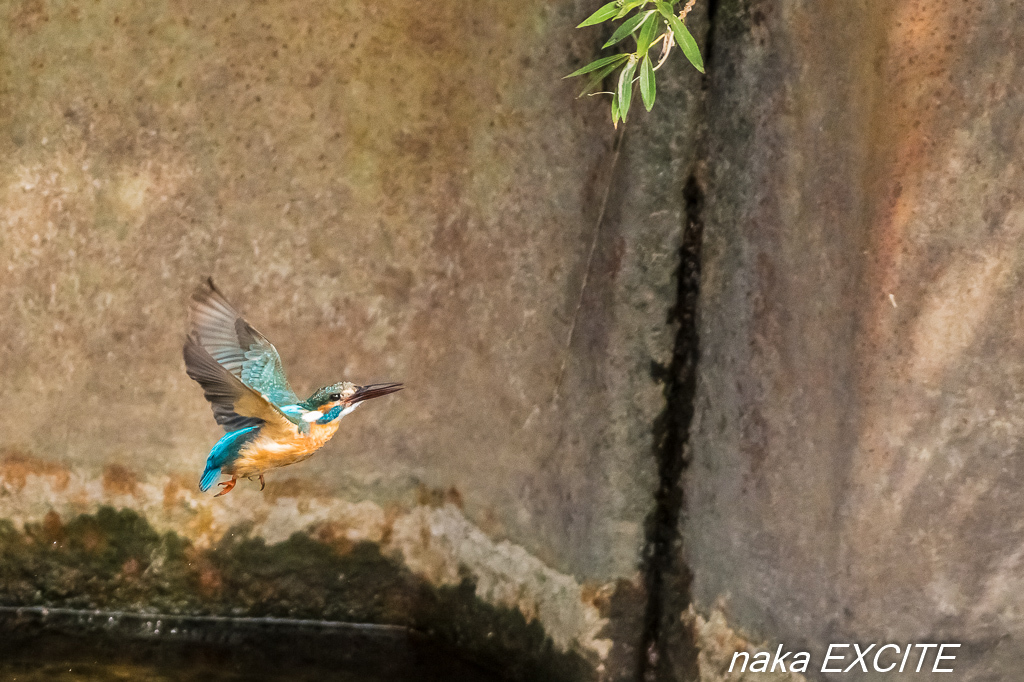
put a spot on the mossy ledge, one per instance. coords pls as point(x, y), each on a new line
point(114, 559)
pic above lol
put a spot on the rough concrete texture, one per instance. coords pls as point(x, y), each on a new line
point(718, 644)
point(857, 454)
point(388, 194)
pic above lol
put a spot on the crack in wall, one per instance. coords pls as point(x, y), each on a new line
point(667, 578)
point(670, 643)
point(709, 40)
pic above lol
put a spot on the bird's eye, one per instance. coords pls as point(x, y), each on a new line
point(335, 396)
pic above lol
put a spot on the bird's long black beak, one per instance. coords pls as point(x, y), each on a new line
point(372, 391)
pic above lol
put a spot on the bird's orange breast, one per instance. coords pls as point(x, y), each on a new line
point(265, 452)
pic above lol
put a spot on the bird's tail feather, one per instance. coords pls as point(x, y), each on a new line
point(210, 477)
point(225, 452)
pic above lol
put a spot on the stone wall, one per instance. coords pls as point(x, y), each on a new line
point(388, 193)
point(856, 454)
point(417, 196)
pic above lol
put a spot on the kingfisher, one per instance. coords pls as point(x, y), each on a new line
point(244, 381)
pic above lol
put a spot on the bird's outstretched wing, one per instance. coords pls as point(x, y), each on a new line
point(237, 346)
point(235, 405)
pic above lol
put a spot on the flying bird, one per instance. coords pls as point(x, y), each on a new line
point(242, 377)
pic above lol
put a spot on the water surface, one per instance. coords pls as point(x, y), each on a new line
point(65, 645)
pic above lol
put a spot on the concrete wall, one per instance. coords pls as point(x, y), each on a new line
point(388, 193)
point(417, 196)
point(857, 454)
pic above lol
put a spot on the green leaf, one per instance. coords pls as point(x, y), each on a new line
point(598, 63)
point(665, 8)
point(615, 109)
point(627, 27)
point(625, 89)
point(688, 44)
point(596, 78)
point(682, 36)
point(647, 31)
point(647, 89)
point(628, 7)
point(603, 14)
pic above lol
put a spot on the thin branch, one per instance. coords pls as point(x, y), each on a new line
point(590, 263)
point(667, 43)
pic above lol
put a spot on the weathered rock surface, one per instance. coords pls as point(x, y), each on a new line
point(418, 196)
point(387, 193)
point(857, 455)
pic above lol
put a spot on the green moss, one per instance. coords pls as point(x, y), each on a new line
point(116, 560)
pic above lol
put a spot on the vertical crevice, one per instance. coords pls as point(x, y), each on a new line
point(668, 650)
point(667, 653)
point(709, 42)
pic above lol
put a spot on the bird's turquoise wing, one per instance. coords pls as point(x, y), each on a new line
point(236, 406)
point(237, 346)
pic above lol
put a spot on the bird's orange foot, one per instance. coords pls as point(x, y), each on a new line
point(228, 485)
point(263, 484)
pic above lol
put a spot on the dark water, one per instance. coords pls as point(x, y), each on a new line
point(37, 645)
